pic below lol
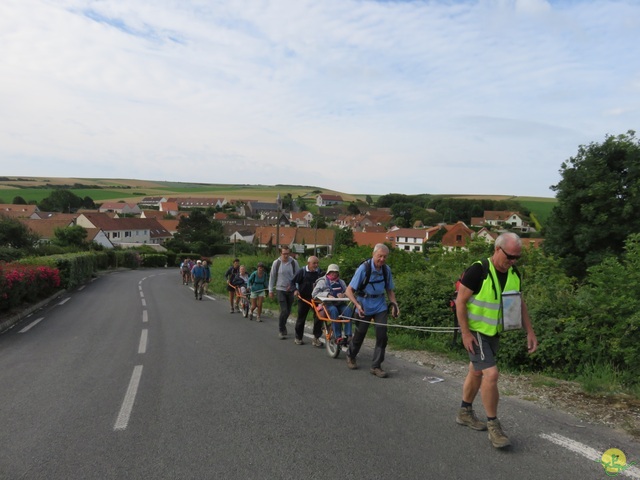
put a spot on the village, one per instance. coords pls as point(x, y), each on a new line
point(154, 220)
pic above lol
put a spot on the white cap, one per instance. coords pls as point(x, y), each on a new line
point(333, 268)
point(199, 261)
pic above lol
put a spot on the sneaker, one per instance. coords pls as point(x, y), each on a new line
point(258, 319)
point(316, 342)
point(467, 417)
point(378, 372)
point(282, 335)
point(299, 341)
point(351, 363)
point(496, 435)
point(232, 311)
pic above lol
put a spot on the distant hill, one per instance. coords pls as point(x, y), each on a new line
point(132, 190)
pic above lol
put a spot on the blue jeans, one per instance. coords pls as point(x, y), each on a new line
point(334, 312)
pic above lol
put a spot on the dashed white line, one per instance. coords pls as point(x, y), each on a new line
point(81, 288)
point(141, 294)
point(129, 398)
point(145, 316)
point(144, 303)
point(31, 325)
point(142, 347)
point(64, 301)
point(586, 451)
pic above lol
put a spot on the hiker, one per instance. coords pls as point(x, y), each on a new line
point(480, 315)
point(282, 272)
point(367, 290)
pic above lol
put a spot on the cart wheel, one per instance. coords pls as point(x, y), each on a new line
point(333, 349)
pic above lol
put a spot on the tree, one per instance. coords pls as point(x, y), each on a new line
point(15, 234)
point(74, 236)
point(18, 200)
point(318, 222)
point(344, 239)
point(353, 209)
point(197, 233)
point(368, 199)
point(598, 203)
point(61, 200)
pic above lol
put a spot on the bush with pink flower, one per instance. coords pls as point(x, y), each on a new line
point(21, 284)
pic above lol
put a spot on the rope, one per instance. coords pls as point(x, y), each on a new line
point(408, 327)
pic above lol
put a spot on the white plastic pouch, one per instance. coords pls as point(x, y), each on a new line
point(511, 310)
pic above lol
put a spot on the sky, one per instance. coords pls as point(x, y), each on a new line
point(359, 96)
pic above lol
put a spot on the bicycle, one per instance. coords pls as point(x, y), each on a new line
point(243, 303)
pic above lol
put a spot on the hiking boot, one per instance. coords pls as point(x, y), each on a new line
point(351, 363)
point(299, 341)
point(467, 417)
point(378, 372)
point(496, 435)
point(316, 342)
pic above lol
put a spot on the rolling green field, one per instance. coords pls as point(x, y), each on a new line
point(540, 207)
point(131, 190)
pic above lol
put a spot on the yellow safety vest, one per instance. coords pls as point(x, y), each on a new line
point(484, 310)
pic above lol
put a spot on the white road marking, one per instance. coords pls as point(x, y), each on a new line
point(145, 316)
point(64, 301)
point(31, 325)
point(141, 294)
point(140, 287)
point(129, 398)
point(144, 303)
point(142, 347)
point(587, 452)
point(81, 288)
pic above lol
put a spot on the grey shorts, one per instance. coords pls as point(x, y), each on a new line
point(485, 351)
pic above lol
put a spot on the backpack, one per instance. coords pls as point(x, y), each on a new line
point(277, 267)
point(454, 296)
point(367, 276)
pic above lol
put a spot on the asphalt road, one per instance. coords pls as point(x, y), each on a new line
point(131, 378)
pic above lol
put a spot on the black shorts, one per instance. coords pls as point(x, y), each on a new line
point(485, 351)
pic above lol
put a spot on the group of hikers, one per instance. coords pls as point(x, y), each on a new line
point(480, 312)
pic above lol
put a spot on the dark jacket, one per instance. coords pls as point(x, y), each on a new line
point(304, 280)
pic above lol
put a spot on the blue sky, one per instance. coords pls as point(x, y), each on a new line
point(360, 96)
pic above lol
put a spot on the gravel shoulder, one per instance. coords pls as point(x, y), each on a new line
point(620, 412)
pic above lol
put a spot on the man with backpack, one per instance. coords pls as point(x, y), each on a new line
point(302, 285)
point(230, 275)
point(482, 315)
point(370, 286)
point(198, 273)
point(282, 272)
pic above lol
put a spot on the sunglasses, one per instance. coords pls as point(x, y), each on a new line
point(509, 257)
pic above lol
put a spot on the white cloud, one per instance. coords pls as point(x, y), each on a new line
point(356, 95)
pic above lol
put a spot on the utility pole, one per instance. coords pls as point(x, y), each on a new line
point(278, 224)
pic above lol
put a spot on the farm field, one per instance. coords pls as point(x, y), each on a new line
point(33, 189)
